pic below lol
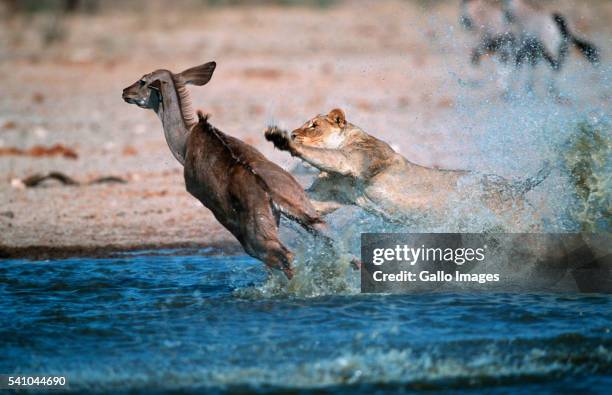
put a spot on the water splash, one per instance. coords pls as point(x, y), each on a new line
point(319, 269)
point(587, 158)
point(512, 137)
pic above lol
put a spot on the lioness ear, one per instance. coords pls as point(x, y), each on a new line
point(199, 75)
point(337, 115)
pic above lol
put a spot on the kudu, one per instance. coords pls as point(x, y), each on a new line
point(245, 191)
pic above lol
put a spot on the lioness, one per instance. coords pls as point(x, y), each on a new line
point(359, 169)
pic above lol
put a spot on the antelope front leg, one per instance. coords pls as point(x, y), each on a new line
point(327, 160)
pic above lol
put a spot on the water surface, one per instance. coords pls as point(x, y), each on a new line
point(149, 324)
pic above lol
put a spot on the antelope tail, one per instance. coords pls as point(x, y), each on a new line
point(587, 49)
point(526, 185)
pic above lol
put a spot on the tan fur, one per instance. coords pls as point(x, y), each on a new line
point(367, 172)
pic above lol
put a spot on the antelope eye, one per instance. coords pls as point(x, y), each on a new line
point(141, 83)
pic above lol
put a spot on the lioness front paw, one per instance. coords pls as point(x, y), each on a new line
point(278, 137)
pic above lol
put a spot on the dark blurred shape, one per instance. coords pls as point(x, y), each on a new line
point(40, 151)
point(312, 3)
point(67, 6)
point(593, 272)
point(92, 6)
point(37, 179)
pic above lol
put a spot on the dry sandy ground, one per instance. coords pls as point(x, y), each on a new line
point(390, 65)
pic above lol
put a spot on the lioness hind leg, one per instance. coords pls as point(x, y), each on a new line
point(321, 230)
point(324, 208)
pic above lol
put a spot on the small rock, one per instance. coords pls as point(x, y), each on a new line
point(7, 214)
point(40, 132)
point(128, 150)
point(140, 129)
point(38, 97)
point(9, 125)
point(84, 55)
point(17, 183)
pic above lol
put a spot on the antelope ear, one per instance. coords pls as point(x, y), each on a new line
point(337, 115)
point(155, 85)
point(199, 75)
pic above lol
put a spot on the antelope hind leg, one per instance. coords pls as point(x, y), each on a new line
point(277, 256)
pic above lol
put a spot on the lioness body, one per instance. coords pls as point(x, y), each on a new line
point(359, 169)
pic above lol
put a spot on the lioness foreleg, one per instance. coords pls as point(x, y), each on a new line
point(328, 160)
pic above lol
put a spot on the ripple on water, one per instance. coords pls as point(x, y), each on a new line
point(194, 322)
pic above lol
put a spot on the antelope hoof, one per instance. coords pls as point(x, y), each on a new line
point(288, 272)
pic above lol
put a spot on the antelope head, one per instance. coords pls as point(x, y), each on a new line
point(147, 91)
point(165, 93)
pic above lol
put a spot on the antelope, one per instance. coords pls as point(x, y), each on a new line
point(245, 191)
point(519, 33)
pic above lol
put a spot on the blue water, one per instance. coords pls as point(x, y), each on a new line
point(152, 324)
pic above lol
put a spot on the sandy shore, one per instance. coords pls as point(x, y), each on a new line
point(393, 73)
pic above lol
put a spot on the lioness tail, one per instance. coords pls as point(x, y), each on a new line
point(529, 183)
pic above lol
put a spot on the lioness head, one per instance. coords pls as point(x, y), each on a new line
point(324, 131)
